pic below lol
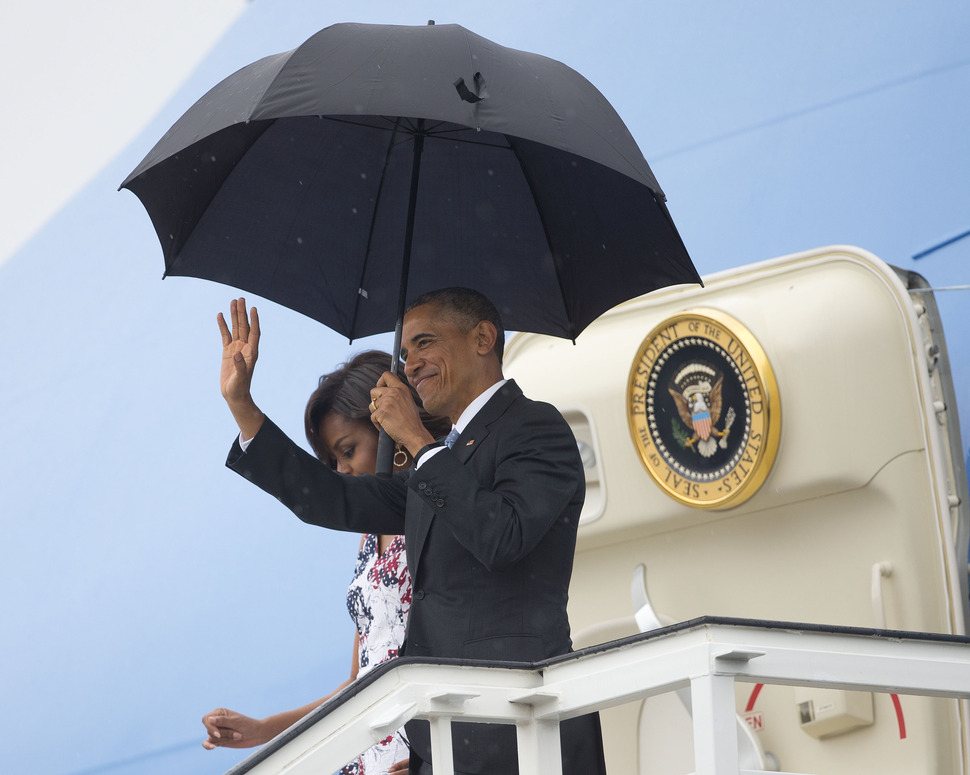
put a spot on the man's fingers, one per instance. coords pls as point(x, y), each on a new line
point(387, 386)
point(237, 315)
point(389, 380)
point(254, 328)
point(224, 330)
point(241, 327)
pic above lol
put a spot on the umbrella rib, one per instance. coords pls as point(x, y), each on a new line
point(444, 134)
point(433, 131)
point(170, 254)
point(370, 234)
point(363, 124)
point(557, 262)
point(394, 124)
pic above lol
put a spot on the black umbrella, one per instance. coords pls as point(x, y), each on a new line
point(376, 162)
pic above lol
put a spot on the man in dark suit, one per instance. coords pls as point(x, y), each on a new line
point(489, 519)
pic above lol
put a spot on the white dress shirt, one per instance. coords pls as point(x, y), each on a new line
point(466, 417)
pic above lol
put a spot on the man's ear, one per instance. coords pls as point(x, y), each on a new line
point(486, 336)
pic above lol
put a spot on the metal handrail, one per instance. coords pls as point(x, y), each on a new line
point(708, 655)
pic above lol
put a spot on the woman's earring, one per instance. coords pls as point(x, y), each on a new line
point(404, 457)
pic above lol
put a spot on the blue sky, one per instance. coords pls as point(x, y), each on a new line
point(144, 584)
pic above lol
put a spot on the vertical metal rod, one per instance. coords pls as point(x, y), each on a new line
point(539, 747)
point(442, 752)
point(715, 725)
point(385, 444)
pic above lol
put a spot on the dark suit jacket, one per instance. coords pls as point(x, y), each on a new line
point(490, 530)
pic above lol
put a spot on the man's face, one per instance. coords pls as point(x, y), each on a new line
point(440, 361)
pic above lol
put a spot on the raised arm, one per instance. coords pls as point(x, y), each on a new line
point(240, 349)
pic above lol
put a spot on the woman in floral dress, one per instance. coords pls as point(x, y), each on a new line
point(339, 429)
point(378, 599)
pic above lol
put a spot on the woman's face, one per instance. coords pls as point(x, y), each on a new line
point(352, 443)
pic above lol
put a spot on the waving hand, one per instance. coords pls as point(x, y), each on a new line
point(240, 349)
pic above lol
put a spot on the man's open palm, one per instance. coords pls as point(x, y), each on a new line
point(240, 349)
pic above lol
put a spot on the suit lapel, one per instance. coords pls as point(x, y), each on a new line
point(478, 428)
point(420, 516)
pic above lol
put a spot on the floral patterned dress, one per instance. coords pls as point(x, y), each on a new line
point(379, 598)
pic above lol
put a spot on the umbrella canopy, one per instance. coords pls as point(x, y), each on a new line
point(376, 158)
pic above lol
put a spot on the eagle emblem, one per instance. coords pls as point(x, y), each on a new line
point(696, 390)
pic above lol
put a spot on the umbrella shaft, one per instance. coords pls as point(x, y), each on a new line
point(409, 234)
point(385, 445)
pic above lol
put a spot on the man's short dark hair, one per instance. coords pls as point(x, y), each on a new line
point(466, 308)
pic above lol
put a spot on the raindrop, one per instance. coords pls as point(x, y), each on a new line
point(491, 173)
point(363, 176)
point(212, 158)
point(353, 210)
point(299, 240)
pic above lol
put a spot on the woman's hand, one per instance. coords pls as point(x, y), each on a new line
point(228, 729)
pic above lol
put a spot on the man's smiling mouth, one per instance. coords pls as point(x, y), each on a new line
point(421, 381)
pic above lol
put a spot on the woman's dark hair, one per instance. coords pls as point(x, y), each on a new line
point(346, 391)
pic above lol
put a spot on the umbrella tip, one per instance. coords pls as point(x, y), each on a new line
point(431, 22)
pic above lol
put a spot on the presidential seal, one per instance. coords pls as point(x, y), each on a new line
point(703, 409)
